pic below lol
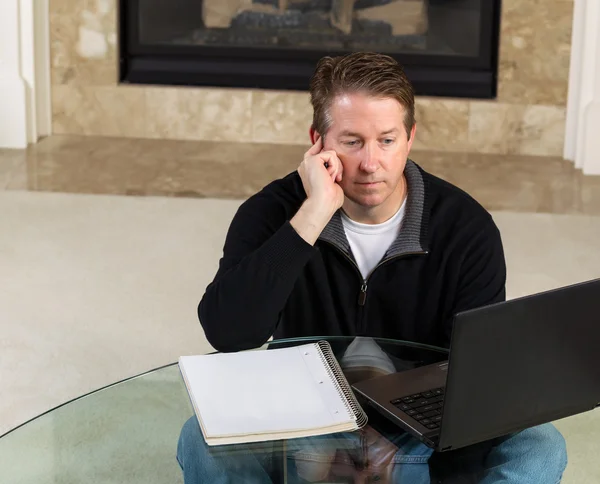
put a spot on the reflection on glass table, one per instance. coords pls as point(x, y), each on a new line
point(128, 432)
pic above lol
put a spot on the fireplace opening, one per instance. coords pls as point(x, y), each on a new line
point(447, 47)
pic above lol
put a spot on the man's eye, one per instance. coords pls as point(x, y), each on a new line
point(351, 143)
point(388, 141)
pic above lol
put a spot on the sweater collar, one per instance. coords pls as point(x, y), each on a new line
point(414, 224)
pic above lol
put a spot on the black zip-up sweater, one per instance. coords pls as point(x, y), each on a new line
point(447, 257)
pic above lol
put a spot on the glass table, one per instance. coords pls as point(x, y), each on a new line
point(128, 432)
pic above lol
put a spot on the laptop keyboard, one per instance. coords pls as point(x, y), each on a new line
point(424, 407)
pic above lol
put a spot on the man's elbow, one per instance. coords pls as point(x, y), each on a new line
point(225, 342)
point(223, 337)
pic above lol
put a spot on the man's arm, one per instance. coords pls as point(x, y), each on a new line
point(265, 254)
point(482, 276)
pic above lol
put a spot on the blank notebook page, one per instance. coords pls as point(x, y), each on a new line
point(268, 391)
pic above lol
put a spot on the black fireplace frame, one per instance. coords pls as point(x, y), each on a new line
point(281, 69)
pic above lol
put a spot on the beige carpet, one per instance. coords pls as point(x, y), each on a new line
point(94, 289)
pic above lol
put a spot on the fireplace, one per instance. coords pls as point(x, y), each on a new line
point(447, 47)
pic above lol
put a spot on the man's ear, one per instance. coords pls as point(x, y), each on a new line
point(314, 136)
point(413, 132)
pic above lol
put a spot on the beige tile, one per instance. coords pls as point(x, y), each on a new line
point(6, 166)
point(105, 111)
point(20, 178)
point(157, 167)
point(96, 147)
point(129, 166)
point(535, 51)
point(509, 128)
point(494, 127)
point(542, 131)
point(589, 188)
point(11, 162)
point(281, 117)
point(86, 73)
point(441, 124)
point(510, 182)
point(83, 31)
point(199, 114)
point(63, 35)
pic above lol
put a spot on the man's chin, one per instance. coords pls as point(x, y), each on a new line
point(367, 200)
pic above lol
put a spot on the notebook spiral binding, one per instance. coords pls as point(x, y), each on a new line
point(337, 376)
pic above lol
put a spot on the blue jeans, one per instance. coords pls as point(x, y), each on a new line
point(535, 455)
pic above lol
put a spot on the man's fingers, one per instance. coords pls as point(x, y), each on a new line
point(338, 177)
point(316, 148)
point(331, 162)
point(328, 159)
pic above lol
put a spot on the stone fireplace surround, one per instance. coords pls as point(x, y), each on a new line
point(59, 75)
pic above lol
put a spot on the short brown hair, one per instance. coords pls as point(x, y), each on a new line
point(370, 73)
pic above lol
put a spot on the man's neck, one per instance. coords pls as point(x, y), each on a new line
point(380, 213)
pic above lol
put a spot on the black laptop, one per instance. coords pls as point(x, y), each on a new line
point(512, 365)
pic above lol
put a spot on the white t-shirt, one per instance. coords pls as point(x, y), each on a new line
point(368, 242)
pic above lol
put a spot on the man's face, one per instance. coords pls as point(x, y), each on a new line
point(369, 137)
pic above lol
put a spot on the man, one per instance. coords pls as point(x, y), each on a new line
point(360, 241)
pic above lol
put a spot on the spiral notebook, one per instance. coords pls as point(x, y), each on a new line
point(262, 395)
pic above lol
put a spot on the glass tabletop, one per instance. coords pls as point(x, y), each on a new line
point(128, 431)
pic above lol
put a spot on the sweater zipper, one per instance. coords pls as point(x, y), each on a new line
point(362, 295)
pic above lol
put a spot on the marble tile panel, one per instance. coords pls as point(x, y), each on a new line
point(493, 127)
point(82, 31)
point(10, 162)
point(513, 182)
point(180, 168)
point(589, 189)
point(215, 179)
point(520, 129)
point(95, 147)
point(281, 117)
point(103, 111)
point(535, 49)
point(86, 73)
point(442, 124)
point(542, 131)
point(20, 178)
point(199, 114)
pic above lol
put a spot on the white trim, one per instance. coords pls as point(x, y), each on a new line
point(24, 72)
point(575, 64)
point(27, 65)
point(582, 137)
point(43, 106)
point(13, 92)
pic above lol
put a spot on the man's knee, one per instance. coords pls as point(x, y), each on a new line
point(191, 444)
point(549, 445)
point(551, 441)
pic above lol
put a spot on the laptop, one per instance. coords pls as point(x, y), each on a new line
point(512, 365)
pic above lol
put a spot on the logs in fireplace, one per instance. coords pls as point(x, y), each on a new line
point(448, 47)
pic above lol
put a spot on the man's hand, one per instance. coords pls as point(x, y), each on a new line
point(320, 172)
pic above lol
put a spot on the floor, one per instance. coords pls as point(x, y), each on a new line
point(202, 169)
point(94, 288)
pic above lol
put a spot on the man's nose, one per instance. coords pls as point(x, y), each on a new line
point(369, 161)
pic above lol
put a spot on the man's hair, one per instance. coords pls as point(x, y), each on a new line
point(368, 73)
